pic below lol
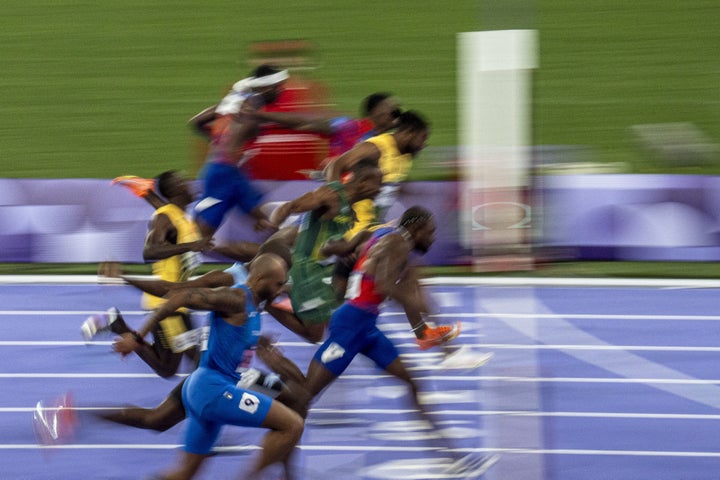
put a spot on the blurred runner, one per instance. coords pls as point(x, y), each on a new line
point(287, 386)
point(380, 112)
point(172, 243)
point(225, 184)
point(328, 216)
point(213, 394)
point(380, 273)
point(393, 152)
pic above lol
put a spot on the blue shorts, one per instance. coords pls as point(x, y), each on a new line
point(212, 400)
point(224, 188)
point(354, 331)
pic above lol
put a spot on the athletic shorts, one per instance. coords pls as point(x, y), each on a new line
point(212, 400)
point(354, 331)
point(268, 384)
point(224, 188)
point(168, 328)
point(312, 295)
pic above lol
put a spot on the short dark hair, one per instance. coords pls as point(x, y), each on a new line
point(163, 183)
point(264, 70)
point(415, 215)
point(372, 101)
point(411, 120)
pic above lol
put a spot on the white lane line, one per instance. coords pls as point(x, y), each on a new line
point(41, 280)
point(408, 356)
point(367, 448)
point(460, 413)
point(626, 364)
point(451, 378)
point(504, 315)
point(577, 316)
point(55, 313)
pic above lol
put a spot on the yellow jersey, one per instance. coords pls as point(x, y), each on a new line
point(179, 267)
point(395, 167)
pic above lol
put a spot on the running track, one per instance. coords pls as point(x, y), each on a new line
point(585, 383)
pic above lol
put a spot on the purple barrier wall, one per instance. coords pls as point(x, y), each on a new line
point(616, 217)
point(632, 217)
point(89, 220)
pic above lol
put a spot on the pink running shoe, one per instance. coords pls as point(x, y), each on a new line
point(54, 421)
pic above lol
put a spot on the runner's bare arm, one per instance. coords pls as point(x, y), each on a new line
point(345, 162)
point(319, 198)
point(224, 299)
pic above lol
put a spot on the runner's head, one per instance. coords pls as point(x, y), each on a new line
point(174, 187)
point(267, 276)
point(366, 179)
point(412, 132)
point(382, 109)
point(419, 223)
point(267, 81)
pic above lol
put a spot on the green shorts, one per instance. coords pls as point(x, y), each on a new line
point(312, 295)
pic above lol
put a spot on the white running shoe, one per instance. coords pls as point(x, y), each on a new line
point(466, 358)
point(91, 326)
point(95, 324)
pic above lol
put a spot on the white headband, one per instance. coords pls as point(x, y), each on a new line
point(269, 80)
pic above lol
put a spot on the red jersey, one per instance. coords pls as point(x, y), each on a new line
point(361, 289)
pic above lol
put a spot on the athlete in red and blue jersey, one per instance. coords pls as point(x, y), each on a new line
point(381, 272)
point(225, 184)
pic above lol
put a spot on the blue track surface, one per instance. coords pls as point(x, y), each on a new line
point(585, 383)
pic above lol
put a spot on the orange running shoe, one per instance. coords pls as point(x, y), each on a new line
point(439, 335)
point(137, 185)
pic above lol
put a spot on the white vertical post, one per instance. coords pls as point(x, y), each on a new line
point(495, 125)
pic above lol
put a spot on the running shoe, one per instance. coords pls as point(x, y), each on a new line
point(465, 358)
point(95, 324)
point(115, 322)
point(435, 336)
point(137, 185)
point(54, 421)
point(92, 326)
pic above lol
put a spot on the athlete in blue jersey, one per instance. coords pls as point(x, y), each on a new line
point(213, 394)
point(286, 383)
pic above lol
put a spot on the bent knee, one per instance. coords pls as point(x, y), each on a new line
point(315, 332)
point(296, 426)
